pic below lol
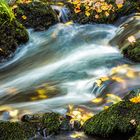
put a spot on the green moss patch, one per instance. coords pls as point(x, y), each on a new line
point(37, 15)
point(132, 51)
point(121, 118)
point(16, 131)
point(12, 34)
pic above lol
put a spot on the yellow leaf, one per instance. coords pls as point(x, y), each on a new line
point(104, 8)
point(97, 100)
point(75, 2)
point(24, 17)
point(41, 91)
point(104, 78)
point(107, 14)
point(106, 107)
point(69, 23)
point(130, 74)
point(98, 10)
point(135, 99)
point(77, 10)
point(34, 98)
point(99, 82)
point(87, 13)
point(118, 79)
point(119, 6)
point(43, 96)
point(113, 98)
point(77, 135)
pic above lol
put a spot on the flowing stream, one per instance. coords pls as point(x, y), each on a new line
point(59, 67)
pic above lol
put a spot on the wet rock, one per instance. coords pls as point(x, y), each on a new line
point(128, 38)
point(107, 11)
point(120, 119)
point(37, 15)
point(132, 51)
point(12, 34)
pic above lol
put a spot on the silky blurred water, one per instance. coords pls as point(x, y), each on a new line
point(59, 67)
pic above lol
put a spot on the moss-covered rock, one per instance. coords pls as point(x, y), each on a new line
point(106, 11)
point(16, 131)
point(52, 122)
point(121, 118)
point(31, 125)
point(12, 34)
point(37, 15)
point(128, 38)
point(132, 51)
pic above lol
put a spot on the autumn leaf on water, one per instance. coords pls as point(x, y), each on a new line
point(78, 114)
point(98, 82)
point(118, 79)
point(131, 74)
point(77, 135)
point(97, 100)
point(69, 23)
point(41, 91)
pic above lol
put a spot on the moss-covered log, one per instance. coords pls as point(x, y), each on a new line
point(37, 15)
point(121, 118)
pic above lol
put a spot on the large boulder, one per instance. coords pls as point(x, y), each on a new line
point(36, 15)
point(101, 11)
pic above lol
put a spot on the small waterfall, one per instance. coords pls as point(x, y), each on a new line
point(63, 13)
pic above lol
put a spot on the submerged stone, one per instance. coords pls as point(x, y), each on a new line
point(36, 15)
point(120, 119)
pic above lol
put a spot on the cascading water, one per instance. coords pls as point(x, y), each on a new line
point(59, 67)
point(63, 13)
